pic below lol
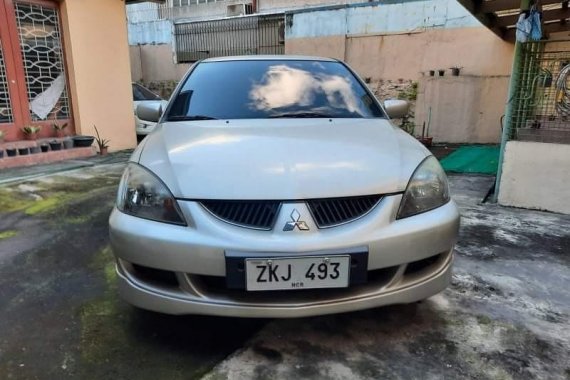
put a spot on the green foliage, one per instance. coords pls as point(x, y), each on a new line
point(410, 93)
point(59, 127)
point(31, 130)
point(102, 143)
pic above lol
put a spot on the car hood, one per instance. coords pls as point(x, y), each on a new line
point(284, 159)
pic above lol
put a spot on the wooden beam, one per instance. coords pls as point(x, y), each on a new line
point(547, 15)
point(492, 6)
point(487, 19)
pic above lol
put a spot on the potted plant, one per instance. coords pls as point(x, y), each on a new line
point(23, 151)
point(67, 144)
point(54, 145)
point(441, 72)
point(34, 149)
point(1, 153)
point(102, 143)
point(31, 132)
point(44, 147)
point(432, 73)
point(59, 129)
point(455, 70)
point(11, 152)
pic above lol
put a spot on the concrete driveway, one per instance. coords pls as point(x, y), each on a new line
point(506, 315)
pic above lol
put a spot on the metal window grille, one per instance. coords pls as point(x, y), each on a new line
point(542, 97)
point(5, 105)
point(40, 42)
point(251, 35)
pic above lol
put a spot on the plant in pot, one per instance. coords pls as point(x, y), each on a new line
point(102, 143)
point(1, 154)
point(55, 145)
point(455, 70)
point(67, 144)
point(23, 151)
point(34, 149)
point(59, 129)
point(31, 132)
point(11, 151)
point(44, 147)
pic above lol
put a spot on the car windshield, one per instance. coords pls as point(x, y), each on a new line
point(141, 93)
point(259, 89)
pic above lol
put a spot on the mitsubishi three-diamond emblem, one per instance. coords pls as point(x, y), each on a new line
point(295, 222)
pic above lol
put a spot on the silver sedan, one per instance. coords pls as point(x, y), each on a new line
point(276, 186)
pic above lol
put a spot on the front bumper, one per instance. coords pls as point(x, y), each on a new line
point(195, 256)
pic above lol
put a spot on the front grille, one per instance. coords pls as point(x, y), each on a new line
point(252, 214)
point(334, 211)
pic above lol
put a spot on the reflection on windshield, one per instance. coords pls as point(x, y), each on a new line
point(283, 87)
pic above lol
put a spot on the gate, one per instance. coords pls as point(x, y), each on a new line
point(248, 35)
point(542, 98)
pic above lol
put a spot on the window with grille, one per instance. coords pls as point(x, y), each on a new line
point(41, 46)
point(5, 106)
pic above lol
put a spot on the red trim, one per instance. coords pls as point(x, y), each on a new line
point(16, 72)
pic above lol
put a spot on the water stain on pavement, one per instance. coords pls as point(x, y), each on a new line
point(61, 314)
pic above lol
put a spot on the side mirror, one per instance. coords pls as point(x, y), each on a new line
point(150, 111)
point(396, 108)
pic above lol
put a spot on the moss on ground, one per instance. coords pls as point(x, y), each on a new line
point(8, 234)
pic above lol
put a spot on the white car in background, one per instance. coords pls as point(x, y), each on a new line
point(143, 95)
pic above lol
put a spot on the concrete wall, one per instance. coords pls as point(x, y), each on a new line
point(402, 41)
point(536, 175)
point(96, 49)
point(463, 109)
point(154, 63)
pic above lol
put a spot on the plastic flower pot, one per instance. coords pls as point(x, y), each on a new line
point(11, 152)
point(427, 141)
point(68, 144)
point(35, 150)
point(23, 151)
point(455, 71)
point(103, 151)
point(83, 141)
point(1, 154)
point(44, 148)
point(55, 145)
point(441, 72)
point(432, 73)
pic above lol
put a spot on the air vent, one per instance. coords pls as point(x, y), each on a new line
point(259, 215)
point(335, 211)
point(242, 9)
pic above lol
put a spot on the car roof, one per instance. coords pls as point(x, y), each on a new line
point(269, 58)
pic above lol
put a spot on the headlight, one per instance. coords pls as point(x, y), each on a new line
point(142, 194)
point(427, 189)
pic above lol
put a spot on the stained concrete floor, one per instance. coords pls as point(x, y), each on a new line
point(505, 316)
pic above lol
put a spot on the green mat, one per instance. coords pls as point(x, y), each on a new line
point(481, 159)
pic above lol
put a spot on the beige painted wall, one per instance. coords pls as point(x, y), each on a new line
point(536, 175)
point(152, 63)
point(406, 56)
point(97, 54)
point(464, 108)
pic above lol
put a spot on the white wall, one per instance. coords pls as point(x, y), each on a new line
point(536, 175)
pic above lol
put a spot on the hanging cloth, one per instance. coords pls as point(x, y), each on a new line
point(535, 22)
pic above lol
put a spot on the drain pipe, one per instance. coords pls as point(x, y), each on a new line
point(510, 109)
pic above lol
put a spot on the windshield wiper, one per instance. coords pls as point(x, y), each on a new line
point(191, 118)
point(301, 115)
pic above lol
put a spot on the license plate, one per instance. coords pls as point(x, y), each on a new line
point(297, 273)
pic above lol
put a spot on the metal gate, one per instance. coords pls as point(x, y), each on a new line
point(248, 35)
point(542, 98)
